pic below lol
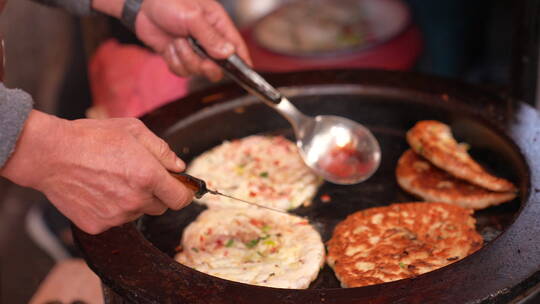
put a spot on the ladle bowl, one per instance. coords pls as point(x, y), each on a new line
point(338, 149)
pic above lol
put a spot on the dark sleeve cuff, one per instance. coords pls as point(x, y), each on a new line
point(77, 7)
point(15, 105)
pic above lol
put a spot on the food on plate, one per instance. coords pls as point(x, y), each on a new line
point(253, 246)
point(419, 177)
point(399, 241)
point(300, 27)
point(264, 169)
point(434, 141)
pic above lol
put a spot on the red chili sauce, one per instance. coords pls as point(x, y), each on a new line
point(345, 161)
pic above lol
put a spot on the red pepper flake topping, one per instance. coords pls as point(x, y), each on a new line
point(201, 238)
point(255, 222)
point(219, 243)
point(302, 223)
point(209, 231)
point(178, 248)
point(325, 198)
point(252, 194)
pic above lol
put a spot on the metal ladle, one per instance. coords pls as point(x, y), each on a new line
point(338, 149)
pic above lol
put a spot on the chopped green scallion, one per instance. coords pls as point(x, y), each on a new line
point(253, 243)
point(265, 228)
point(270, 243)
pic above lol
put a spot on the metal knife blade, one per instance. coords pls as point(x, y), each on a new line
point(199, 188)
point(247, 202)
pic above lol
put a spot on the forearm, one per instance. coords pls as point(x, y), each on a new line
point(15, 106)
point(78, 7)
point(86, 7)
point(33, 148)
point(110, 7)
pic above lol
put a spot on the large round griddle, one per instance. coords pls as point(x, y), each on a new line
point(135, 260)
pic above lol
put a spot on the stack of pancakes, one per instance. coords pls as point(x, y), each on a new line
point(405, 240)
point(437, 168)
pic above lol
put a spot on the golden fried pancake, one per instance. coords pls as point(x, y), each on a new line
point(399, 241)
point(419, 177)
point(433, 140)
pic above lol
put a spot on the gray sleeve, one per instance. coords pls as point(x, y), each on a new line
point(15, 105)
point(78, 7)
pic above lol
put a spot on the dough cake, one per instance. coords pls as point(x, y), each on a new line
point(253, 246)
point(419, 177)
point(399, 241)
point(264, 169)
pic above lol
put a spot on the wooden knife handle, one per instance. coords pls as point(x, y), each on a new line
point(198, 186)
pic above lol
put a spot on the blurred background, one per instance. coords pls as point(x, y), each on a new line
point(71, 66)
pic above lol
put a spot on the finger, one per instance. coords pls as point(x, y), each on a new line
point(157, 146)
point(220, 20)
point(156, 207)
point(211, 70)
point(195, 64)
point(173, 61)
point(191, 61)
point(211, 39)
point(171, 192)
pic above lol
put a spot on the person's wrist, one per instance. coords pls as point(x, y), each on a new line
point(124, 10)
point(26, 165)
point(130, 10)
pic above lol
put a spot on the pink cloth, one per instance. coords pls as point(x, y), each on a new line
point(129, 81)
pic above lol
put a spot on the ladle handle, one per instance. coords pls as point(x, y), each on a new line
point(237, 69)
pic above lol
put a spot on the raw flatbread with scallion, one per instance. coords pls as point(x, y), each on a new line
point(253, 246)
point(264, 169)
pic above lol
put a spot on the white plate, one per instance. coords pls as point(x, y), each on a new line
point(319, 27)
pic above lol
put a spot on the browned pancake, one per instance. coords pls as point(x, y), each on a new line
point(419, 177)
point(399, 241)
point(433, 140)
